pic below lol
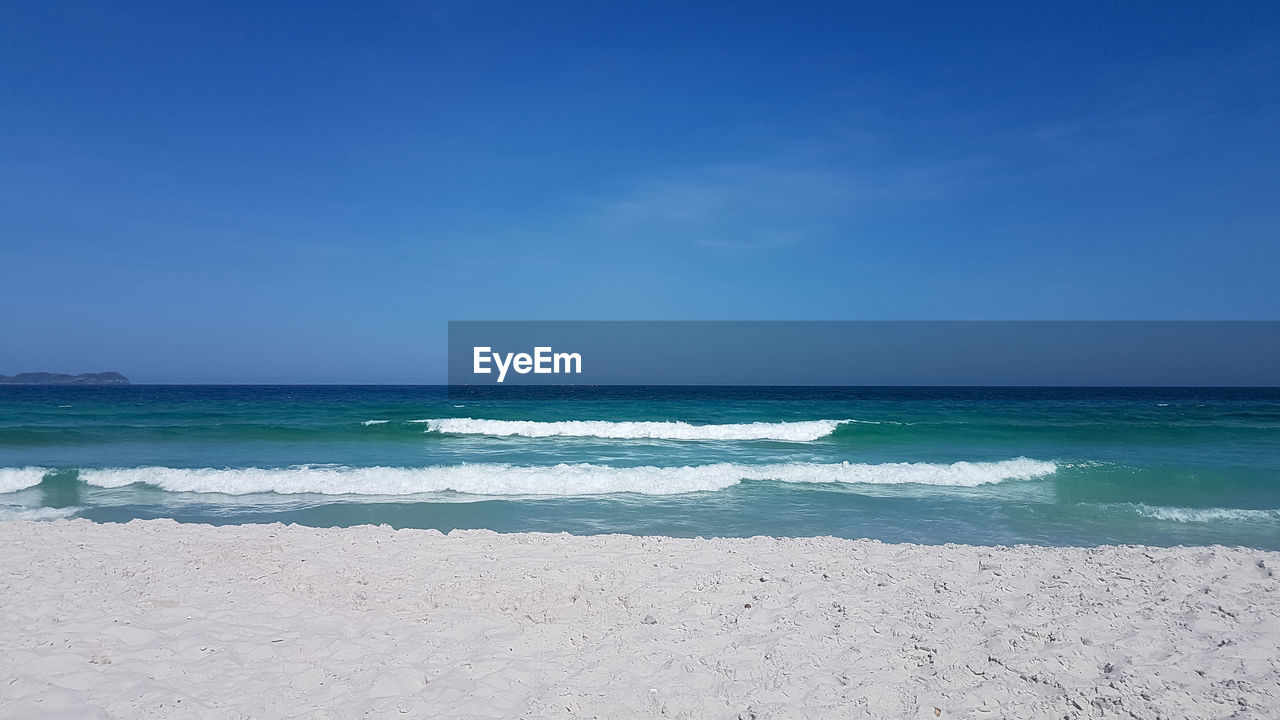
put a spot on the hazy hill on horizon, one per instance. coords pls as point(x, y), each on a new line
point(45, 378)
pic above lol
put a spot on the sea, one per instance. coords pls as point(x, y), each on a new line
point(989, 466)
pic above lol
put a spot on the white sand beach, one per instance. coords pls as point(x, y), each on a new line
point(161, 620)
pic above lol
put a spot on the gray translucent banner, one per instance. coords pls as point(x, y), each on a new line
point(865, 353)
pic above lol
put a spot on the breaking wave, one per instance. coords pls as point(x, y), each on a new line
point(802, 431)
point(14, 479)
point(563, 479)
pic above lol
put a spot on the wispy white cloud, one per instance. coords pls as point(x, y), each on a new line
point(1175, 108)
point(783, 196)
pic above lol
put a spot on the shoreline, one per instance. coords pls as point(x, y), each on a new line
point(161, 619)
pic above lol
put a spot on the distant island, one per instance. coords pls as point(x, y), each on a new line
point(43, 378)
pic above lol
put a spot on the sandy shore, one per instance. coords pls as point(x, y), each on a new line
point(160, 620)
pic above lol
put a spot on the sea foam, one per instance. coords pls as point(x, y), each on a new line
point(1203, 515)
point(19, 512)
point(14, 479)
point(801, 431)
point(563, 479)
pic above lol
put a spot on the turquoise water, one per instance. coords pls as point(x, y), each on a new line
point(932, 465)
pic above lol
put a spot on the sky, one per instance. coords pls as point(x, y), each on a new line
point(307, 192)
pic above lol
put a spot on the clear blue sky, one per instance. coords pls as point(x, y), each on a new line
point(307, 192)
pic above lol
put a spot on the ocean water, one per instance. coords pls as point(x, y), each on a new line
point(932, 465)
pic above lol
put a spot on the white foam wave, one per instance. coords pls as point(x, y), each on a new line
point(802, 431)
point(1204, 515)
point(19, 512)
point(374, 422)
point(15, 479)
point(563, 479)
